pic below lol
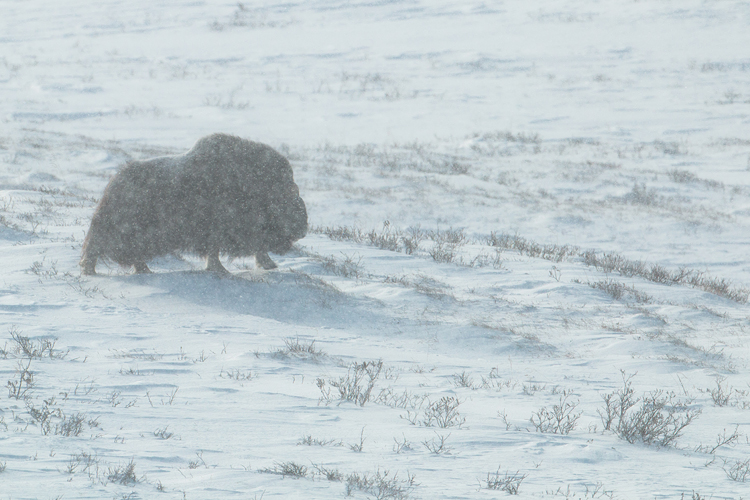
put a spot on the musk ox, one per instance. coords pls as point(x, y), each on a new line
point(225, 196)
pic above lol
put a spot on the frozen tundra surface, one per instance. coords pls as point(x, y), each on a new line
point(519, 212)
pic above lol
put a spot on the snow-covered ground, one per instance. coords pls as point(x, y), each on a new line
point(518, 210)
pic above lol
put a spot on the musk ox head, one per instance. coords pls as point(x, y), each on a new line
point(226, 195)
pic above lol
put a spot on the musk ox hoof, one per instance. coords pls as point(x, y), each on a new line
point(141, 268)
point(263, 260)
point(226, 195)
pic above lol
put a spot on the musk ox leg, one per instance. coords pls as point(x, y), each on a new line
point(141, 268)
point(213, 264)
point(263, 260)
point(88, 265)
point(89, 253)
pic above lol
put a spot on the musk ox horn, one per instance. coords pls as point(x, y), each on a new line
point(226, 195)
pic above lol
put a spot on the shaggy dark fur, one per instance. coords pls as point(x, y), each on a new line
point(226, 195)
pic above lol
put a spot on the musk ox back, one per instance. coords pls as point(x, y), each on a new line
point(226, 195)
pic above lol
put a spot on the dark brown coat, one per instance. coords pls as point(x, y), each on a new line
point(226, 195)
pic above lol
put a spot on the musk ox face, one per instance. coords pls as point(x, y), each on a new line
point(287, 221)
point(226, 195)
